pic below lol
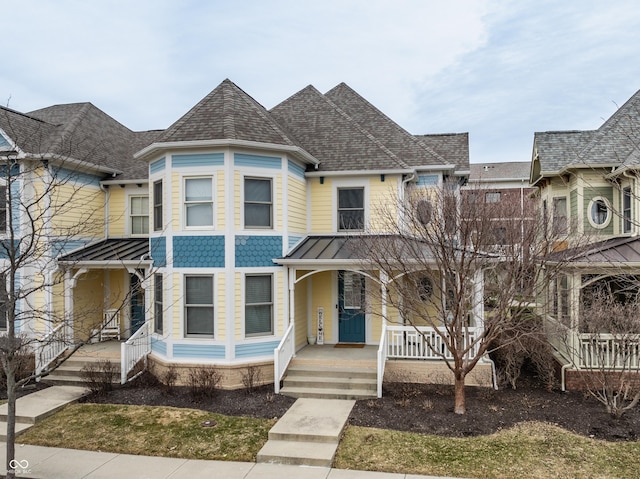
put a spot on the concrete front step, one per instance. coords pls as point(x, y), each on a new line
point(333, 372)
point(331, 383)
point(308, 433)
point(327, 393)
point(298, 453)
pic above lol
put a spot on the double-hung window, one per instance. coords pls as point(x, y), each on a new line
point(158, 307)
point(198, 201)
point(626, 210)
point(3, 208)
point(157, 206)
point(258, 203)
point(139, 215)
point(560, 223)
point(350, 209)
point(258, 305)
point(198, 305)
point(3, 302)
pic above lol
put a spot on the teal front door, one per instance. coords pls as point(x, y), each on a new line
point(137, 303)
point(351, 313)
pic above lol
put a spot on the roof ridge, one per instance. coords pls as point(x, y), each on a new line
point(393, 124)
point(364, 131)
point(69, 127)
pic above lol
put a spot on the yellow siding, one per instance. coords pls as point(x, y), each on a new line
point(238, 305)
point(78, 210)
point(278, 200)
point(117, 208)
point(88, 303)
point(322, 288)
point(383, 200)
point(321, 206)
point(237, 200)
point(300, 314)
point(220, 203)
point(297, 213)
point(176, 201)
point(177, 305)
point(222, 310)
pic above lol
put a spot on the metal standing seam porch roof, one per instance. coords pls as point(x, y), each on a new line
point(111, 252)
point(615, 252)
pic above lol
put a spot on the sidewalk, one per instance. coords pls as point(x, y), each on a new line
point(54, 463)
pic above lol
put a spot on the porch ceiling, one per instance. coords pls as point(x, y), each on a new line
point(110, 251)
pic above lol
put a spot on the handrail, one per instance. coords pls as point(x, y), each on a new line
point(422, 342)
point(382, 356)
point(137, 347)
point(282, 356)
point(50, 347)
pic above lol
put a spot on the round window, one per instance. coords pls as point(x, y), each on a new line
point(599, 212)
point(424, 211)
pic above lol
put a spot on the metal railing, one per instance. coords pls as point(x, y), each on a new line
point(382, 357)
point(50, 347)
point(421, 342)
point(137, 347)
point(282, 356)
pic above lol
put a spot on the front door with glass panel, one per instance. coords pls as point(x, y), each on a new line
point(137, 303)
point(351, 307)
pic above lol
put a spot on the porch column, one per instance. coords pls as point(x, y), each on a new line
point(477, 310)
point(291, 273)
point(70, 284)
point(384, 280)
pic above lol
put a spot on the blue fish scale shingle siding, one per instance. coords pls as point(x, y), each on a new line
point(257, 251)
point(198, 251)
point(158, 250)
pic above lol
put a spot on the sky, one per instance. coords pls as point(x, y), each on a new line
point(497, 69)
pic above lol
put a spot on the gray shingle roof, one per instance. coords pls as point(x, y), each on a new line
point(331, 135)
point(228, 113)
point(500, 171)
point(615, 143)
point(404, 145)
point(453, 147)
point(78, 131)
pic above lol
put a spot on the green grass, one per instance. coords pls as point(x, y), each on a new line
point(153, 431)
point(529, 450)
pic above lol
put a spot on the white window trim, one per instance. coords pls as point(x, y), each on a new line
point(609, 212)
point(183, 324)
point(274, 305)
point(183, 202)
point(129, 226)
point(272, 178)
point(345, 184)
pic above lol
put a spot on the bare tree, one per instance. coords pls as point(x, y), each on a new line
point(462, 269)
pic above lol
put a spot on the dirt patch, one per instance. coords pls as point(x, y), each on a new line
point(411, 407)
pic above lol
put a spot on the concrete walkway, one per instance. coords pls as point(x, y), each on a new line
point(48, 462)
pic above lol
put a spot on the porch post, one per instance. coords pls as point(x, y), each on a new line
point(69, 284)
point(291, 273)
point(384, 280)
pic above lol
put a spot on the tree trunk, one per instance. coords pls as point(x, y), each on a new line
point(11, 420)
point(459, 406)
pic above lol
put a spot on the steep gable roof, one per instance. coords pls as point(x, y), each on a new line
point(614, 144)
point(331, 135)
point(453, 147)
point(404, 145)
point(227, 113)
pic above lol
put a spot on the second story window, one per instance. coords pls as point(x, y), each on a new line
point(560, 216)
point(350, 209)
point(157, 206)
point(158, 311)
point(599, 212)
point(198, 201)
point(139, 215)
point(626, 210)
point(258, 203)
point(3, 208)
point(492, 197)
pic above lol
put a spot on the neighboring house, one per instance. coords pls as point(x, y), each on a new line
point(587, 184)
point(230, 230)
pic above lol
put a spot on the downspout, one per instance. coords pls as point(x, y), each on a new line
point(563, 372)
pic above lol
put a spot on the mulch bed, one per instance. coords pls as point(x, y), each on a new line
point(410, 407)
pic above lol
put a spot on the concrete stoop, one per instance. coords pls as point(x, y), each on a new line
point(70, 372)
point(330, 381)
point(308, 433)
point(34, 407)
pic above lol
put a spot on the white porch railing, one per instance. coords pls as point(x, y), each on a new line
point(382, 357)
point(422, 342)
point(50, 347)
point(608, 351)
point(137, 347)
point(282, 356)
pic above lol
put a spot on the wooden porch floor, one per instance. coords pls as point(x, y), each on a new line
point(329, 355)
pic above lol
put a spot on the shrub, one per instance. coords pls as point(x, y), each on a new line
point(100, 376)
point(251, 379)
point(203, 382)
